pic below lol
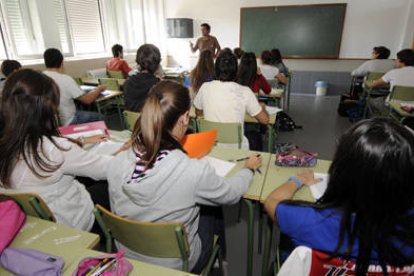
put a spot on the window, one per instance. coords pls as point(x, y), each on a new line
point(85, 25)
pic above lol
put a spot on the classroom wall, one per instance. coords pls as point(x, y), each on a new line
point(367, 23)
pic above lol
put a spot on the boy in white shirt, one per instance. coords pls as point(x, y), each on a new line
point(226, 101)
point(69, 90)
point(403, 76)
point(379, 62)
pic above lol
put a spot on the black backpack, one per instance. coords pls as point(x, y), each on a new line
point(285, 123)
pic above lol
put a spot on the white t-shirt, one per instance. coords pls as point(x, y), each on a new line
point(227, 102)
point(402, 76)
point(374, 65)
point(269, 71)
point(69, 90)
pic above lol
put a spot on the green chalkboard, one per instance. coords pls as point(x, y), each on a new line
point(309, 31)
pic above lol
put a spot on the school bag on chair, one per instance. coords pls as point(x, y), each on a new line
point(12, 219)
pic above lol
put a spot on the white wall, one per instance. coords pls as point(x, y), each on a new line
point(367, 23)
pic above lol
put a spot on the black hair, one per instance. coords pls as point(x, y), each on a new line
point(247, 72)
point(383, 52)
point(370, 183)
point(206, 25)
point(266, 57)
point(9, 66)
point(117, 50)
point(406, 56)
point(226, 66)
point(148, 58)
point(238, 52)
point(53, 58)
point(276, 56)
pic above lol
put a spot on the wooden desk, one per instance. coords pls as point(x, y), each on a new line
point(56, 239)
point(139, 268)
point(275, 177)
point(252, 194)
point(397, 112)
point(95, 82)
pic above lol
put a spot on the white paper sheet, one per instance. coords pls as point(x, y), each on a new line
point(318, 189)
point(105, 148)
point(221, 167)
point(85, 133)
point(272, 109)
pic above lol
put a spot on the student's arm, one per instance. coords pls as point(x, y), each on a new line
point(281, 78)
point(88, 98)
point(216, 47)
point(287, 190)
point(125, 68)
point(256, 109)
point(194, 48)
point(199, 112)
point(212, 189)
point(263, 116)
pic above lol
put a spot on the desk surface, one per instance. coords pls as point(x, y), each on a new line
point(95, 82)
point(256, 186)
point(139, 268)
point(396, 106)
point(56, 239)
point(276, 176)
point(111, 94)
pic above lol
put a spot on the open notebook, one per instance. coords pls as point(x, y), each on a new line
point(318, 189)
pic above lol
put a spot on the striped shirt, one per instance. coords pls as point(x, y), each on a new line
point(139, 171)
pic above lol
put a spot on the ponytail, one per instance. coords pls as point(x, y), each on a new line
point(166, 102)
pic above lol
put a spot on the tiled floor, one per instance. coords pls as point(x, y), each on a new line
point(321, 127)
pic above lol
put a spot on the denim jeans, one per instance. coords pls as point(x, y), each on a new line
point(86, 117)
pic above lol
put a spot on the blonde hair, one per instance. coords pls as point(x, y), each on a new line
point(166, 102)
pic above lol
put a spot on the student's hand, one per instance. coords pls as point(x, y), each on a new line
point(126, 146)
point(191, 44)
point(307, 177)
point(100, 88)
point(254, 162)
point(259, 71)
point(94, 139)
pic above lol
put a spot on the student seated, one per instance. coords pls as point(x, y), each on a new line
point(223, 100)
point(137, 86)
point(34, 156)
point(8, 66)
point(155, 181)
point(403, 76)
point(366, 213)
point(117, 63)
point(278, 62)
point(379, 62)
point(203, 72)
point(250, 75)
point(269, 70)
point(69, 91)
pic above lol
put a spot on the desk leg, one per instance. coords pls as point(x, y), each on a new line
point(250, 235)
point(260, 221)
point(267, 246)
point(118, 106)
point(98, 107)
point(271, 138)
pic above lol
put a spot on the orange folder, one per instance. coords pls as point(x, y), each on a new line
point(198, 145)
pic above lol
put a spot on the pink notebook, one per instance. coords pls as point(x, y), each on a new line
point(85, 130)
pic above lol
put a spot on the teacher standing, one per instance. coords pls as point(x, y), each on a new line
point(206, 41)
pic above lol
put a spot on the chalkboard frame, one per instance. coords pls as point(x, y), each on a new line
point(336, 56)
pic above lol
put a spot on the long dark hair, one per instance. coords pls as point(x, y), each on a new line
point(247, 72)
point(371, 183)
point(166, 102)
point(28, 114)
point(204, 68)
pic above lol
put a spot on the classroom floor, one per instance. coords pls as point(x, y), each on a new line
point(321, 127)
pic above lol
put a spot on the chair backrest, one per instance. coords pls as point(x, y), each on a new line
point(116, 74)
point(78, 80)
point(228, 133)
point(306, 261)
point(130, 119)
point(110, 84)
point(33, 205)
point(374, 75)
point(155, 239)
point(402, 93)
